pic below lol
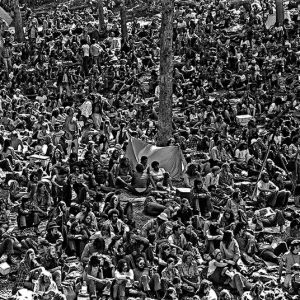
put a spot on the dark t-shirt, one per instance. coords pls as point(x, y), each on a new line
point(185, 214)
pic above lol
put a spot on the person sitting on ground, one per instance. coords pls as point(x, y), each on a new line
point(267, 217)
point(53, 265)
point(116, 225)
point(98, 276)
point(212, 178)
point(189, 273)
point(266, 251)
point(95, 246)
point(191, 174)
point(220, 272)
point(140, 183)
point(28, 214)
point(159, 177)
point(25, 272)
point(269, 188)
point(46, 287)
point(147, 280)
point(121, 173)
point(124, 279)
point(292, 232)
point(53, 236)
point(288, 260)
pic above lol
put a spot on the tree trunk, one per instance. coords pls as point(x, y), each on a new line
point(166, 74)
point(124, 30)
point(101, 17)
point(19, 31)
point(279, 12)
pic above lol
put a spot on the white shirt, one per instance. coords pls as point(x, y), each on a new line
point(261, 185)
point(86, 50)
point(86, 108)
point(210, 179)
point(242, 155)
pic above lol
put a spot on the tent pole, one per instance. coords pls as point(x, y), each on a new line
point(263, 165)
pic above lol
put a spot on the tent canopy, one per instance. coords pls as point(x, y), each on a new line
point(5, 16)
point(170, 158)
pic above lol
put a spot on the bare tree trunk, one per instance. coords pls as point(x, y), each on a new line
point(101, 17)
point(19, 31)
point(124, 30)
point(166, 74)
point(279, 12)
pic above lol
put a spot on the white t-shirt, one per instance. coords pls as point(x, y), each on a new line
point(159, 175)
point(41, 99)
point(86, 50)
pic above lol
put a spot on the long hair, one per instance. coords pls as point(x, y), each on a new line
point(73, 226)
point(48, 255)
point(69, 178)
point(239, 226)
point(196, 182)
point(26, 257)
point(111, 202)
point(203, 286)
point(192, 169)
point(121, 265)
point(99, 244)
point(231, 217)
point(185, 255)
point(88, 209)
point(36, 193)
point(39, 186)
point(227, 238)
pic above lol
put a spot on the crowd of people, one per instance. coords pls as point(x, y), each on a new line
point(70, 100)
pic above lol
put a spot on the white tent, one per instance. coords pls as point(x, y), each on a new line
point(5, 16)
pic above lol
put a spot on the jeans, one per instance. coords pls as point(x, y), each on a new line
point(103, 286)
point(272, 255)
point(119, 290)
point(201, 203)
point(147, 283)
point(153, 208)
point(282, 198)
point(240, 283)
point(275, 220)
point(7, 63)
point(85, 65)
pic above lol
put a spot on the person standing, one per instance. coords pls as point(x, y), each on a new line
point(86, 57)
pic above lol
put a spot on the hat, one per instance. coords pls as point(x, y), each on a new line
point(215, 169)
point(295, 242)
point(163, 217)
point(52, 225)
point(253, 141)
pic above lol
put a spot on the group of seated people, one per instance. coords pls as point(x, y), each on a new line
point(92, 223)
point(209, 235)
